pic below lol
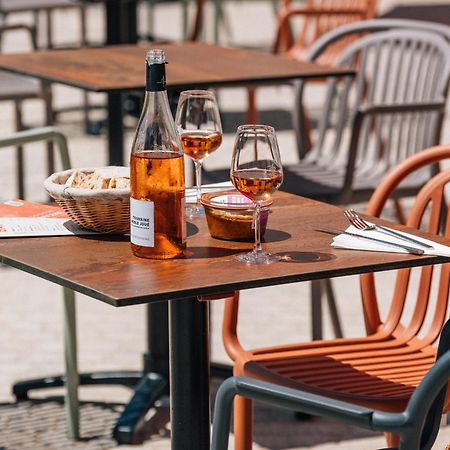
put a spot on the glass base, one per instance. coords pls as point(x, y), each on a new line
point(195, 211)
point(258, 257)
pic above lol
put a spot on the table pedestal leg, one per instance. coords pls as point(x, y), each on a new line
point(115, 129)
point(189, 374)
point(154, 378)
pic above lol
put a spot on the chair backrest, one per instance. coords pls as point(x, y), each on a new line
point(344, 35)
point(318, 17)
point(391, 109)
point(424, 313)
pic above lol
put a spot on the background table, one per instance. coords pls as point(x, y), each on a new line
point(116, 69)
point(104, 268)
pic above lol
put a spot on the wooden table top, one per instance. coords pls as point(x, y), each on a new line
point(103, 267)
point(190, 65)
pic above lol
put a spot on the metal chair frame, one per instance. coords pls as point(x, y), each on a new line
point(346, 166)
point(22, 88)
point(417, 425)
point(36, 7)
point(401, 86)
point(47, 134)
point(380, 370)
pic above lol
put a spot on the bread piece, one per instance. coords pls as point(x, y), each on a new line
point(95, 181)
point(119, 183)
point(76, 179)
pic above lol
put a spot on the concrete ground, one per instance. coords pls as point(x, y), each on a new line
point(109, 338)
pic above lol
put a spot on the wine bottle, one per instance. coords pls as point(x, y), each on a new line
point(157, 203)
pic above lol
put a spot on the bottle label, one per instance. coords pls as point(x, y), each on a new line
point(142, 231)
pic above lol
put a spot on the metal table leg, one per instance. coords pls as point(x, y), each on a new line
point(189, 374)
point(155, 376)
point(115, 129)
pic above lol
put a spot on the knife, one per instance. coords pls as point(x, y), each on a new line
point(412, 250)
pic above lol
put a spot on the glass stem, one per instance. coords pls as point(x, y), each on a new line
point(257, 224)
point(198, 179)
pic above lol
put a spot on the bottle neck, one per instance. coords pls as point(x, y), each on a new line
point(155, 77)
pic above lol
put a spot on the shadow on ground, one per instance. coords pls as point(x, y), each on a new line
point(40, 424)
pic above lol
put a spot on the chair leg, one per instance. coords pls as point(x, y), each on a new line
point(243, 423)
point(392, 440)
point(83, 34)
point(318, 288)
point(316, 310)
point(331, 300)
point(399, 212)
point(49, 120)
point(48, 14)
point(72, 377)
point(20, 175)
point(36, 21)
point(252, 112)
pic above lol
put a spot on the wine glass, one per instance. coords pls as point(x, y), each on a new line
point(198, 122)
point(256, 172)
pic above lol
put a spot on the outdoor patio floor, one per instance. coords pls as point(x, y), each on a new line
point(31, 317)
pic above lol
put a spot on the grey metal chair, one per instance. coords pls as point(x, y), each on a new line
point(18, 88)
point(393, 108)
point(47, 7)
point(417, 425)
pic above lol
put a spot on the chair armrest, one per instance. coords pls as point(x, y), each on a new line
point(306, 402)
point(282, 397)
point(402, 108)
point(31, 29)
point(40, 134)
point(371, 110)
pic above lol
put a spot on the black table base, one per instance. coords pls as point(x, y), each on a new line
point(153, 382)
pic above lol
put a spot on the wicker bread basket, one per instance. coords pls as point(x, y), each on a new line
point(102, 210)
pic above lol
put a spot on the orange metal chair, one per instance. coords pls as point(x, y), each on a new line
point(319, 17)
point(382, 369)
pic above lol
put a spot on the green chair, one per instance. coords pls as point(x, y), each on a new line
point(417, 425)
point(51, 134)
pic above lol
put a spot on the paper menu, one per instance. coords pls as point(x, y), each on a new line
point(24, 208)
point(39, 226)
point(20, 218)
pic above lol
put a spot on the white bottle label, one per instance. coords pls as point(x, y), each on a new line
point(142, 226)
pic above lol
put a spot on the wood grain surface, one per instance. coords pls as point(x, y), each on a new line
point(190, 65)
point(103, 266)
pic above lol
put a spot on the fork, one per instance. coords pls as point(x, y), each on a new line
point(361, 224)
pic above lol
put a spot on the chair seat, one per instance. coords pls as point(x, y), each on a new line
point(346, 370)
point(14, 87)
point(313, 180)
point(309, 179)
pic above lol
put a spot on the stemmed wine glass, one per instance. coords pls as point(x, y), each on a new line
point(198, 122)
point(256, 172)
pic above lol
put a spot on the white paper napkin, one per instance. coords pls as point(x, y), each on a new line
point(191, 192)
point(354, 243)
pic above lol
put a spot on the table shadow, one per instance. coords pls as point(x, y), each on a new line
point(306, 257)
point(275, 236)
point(198, 252)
